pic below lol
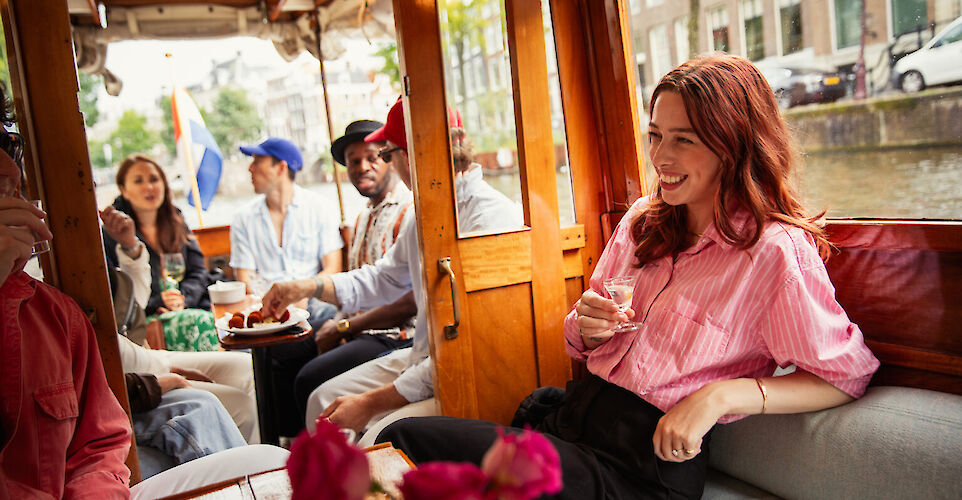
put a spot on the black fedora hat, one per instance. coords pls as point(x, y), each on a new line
point(355, 132)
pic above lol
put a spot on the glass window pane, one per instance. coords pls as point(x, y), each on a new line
point(908, 16)
point(790, 16)
point(754, 41)
point(484, 148)
point(566, 208)
point(848, 15)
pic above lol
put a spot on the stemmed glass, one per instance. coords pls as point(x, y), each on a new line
point(620, 289)
point(174, 268)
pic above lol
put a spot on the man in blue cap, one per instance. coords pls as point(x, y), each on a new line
point(284, 234)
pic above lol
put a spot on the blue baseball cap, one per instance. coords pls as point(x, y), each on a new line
point(282, 149)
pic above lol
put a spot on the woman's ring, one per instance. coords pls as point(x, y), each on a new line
point(689, 452)
point(674, 453)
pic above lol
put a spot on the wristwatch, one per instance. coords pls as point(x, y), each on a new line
point(343, 326)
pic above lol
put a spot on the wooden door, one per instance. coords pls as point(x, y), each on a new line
point(510, 286)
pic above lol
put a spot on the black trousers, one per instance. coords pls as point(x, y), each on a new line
point(601, 431)
point(298, 370)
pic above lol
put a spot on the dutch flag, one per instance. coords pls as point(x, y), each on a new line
point(205, 157)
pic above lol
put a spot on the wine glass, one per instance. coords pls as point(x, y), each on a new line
point(620, 289)
point(174, 268)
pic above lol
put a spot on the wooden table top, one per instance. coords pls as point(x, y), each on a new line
point(231, 341)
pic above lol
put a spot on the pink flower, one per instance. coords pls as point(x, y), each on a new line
point(444, 481)
point(522, 466)
point(325, 465)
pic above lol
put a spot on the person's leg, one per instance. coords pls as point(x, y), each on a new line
point(332, 363)
point(233, 376)
point(241, 407)
point(428, 439)
point(229, 464)
point(189, 423)
point(368, 376)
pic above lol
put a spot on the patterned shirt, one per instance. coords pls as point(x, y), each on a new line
point(309, 233)
point(717, 312)
point(377, 227)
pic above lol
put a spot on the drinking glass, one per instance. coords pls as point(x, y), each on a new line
point(41, 246)
point(620, 289)
point(174, 267)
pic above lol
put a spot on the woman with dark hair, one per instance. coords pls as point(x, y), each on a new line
point(158, 228)
point(728, 284)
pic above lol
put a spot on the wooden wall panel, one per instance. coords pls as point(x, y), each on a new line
point(419, 46)
point(507, 318)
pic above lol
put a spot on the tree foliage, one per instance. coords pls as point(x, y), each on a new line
point(131, 136)
point(233, 119)
point(391, 67)
point(88, 98)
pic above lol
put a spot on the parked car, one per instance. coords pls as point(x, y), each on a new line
point(938, 62)
point(795, 85)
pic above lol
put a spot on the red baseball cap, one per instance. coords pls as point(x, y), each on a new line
point(393, 129)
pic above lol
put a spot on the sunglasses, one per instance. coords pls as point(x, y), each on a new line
point(385, 154)
point(12, 144)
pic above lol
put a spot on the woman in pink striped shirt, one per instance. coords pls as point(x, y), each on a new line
point(729, 283)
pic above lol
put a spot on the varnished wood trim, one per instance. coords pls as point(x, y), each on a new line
point(916, 358)
point(572, 263)
point(573, 237)
point(213, 240)
point(419, 54)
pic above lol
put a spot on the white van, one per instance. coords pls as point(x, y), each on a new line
point(937, 62)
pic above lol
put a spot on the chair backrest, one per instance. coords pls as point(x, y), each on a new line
point(129, 315)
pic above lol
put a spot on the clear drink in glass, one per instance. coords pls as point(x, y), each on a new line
point(621, 289)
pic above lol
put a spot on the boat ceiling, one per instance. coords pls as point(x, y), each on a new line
point(286, 23)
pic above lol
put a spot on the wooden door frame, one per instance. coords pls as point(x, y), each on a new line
point(41, 61)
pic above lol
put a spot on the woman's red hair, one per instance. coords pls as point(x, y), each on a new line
point(733, 111)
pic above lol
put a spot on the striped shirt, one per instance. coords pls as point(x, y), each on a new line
point(377, 227)
point(309, 233)
point(718, 313)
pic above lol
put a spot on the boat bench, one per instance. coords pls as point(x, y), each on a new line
point(901, 283)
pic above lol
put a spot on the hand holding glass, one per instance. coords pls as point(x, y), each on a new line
point(40, 246)
point(621, 289)
point(174, 267)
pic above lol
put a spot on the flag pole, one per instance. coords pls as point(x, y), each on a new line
point(186, 140)
point(327, 111)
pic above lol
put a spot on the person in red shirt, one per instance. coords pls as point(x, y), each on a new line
point(63, 433)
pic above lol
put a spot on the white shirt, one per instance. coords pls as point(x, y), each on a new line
point(309, 233)
point(383, 283)
point(483, 208)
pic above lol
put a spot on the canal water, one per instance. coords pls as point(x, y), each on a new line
point(905, 184)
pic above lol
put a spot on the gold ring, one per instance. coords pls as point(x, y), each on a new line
point(689, 452)
point(674, 453)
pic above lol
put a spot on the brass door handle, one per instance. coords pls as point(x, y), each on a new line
point(451, 331)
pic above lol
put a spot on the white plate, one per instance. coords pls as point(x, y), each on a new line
point(297, 315)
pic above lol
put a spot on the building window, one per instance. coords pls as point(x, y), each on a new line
point(682, 49)
point(635, 6)
point(754, 37)
point(848, 23)
point(660, 52)
point(718, 23)
point(908, 16)
point(790, 17)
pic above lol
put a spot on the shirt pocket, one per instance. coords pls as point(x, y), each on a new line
point(56, 421)
point(690, 345)
point(305, 246)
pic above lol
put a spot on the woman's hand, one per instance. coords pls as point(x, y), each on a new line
point(679, 433)
point(285, 293)
point(173, 299)
point(597, 316)
point(119, 226)
point(171, 381)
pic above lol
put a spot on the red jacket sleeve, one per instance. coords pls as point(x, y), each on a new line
point(95, 457)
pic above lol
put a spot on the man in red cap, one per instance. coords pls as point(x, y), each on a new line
point(396, 385)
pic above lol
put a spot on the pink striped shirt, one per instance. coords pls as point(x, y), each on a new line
point(718, 313)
